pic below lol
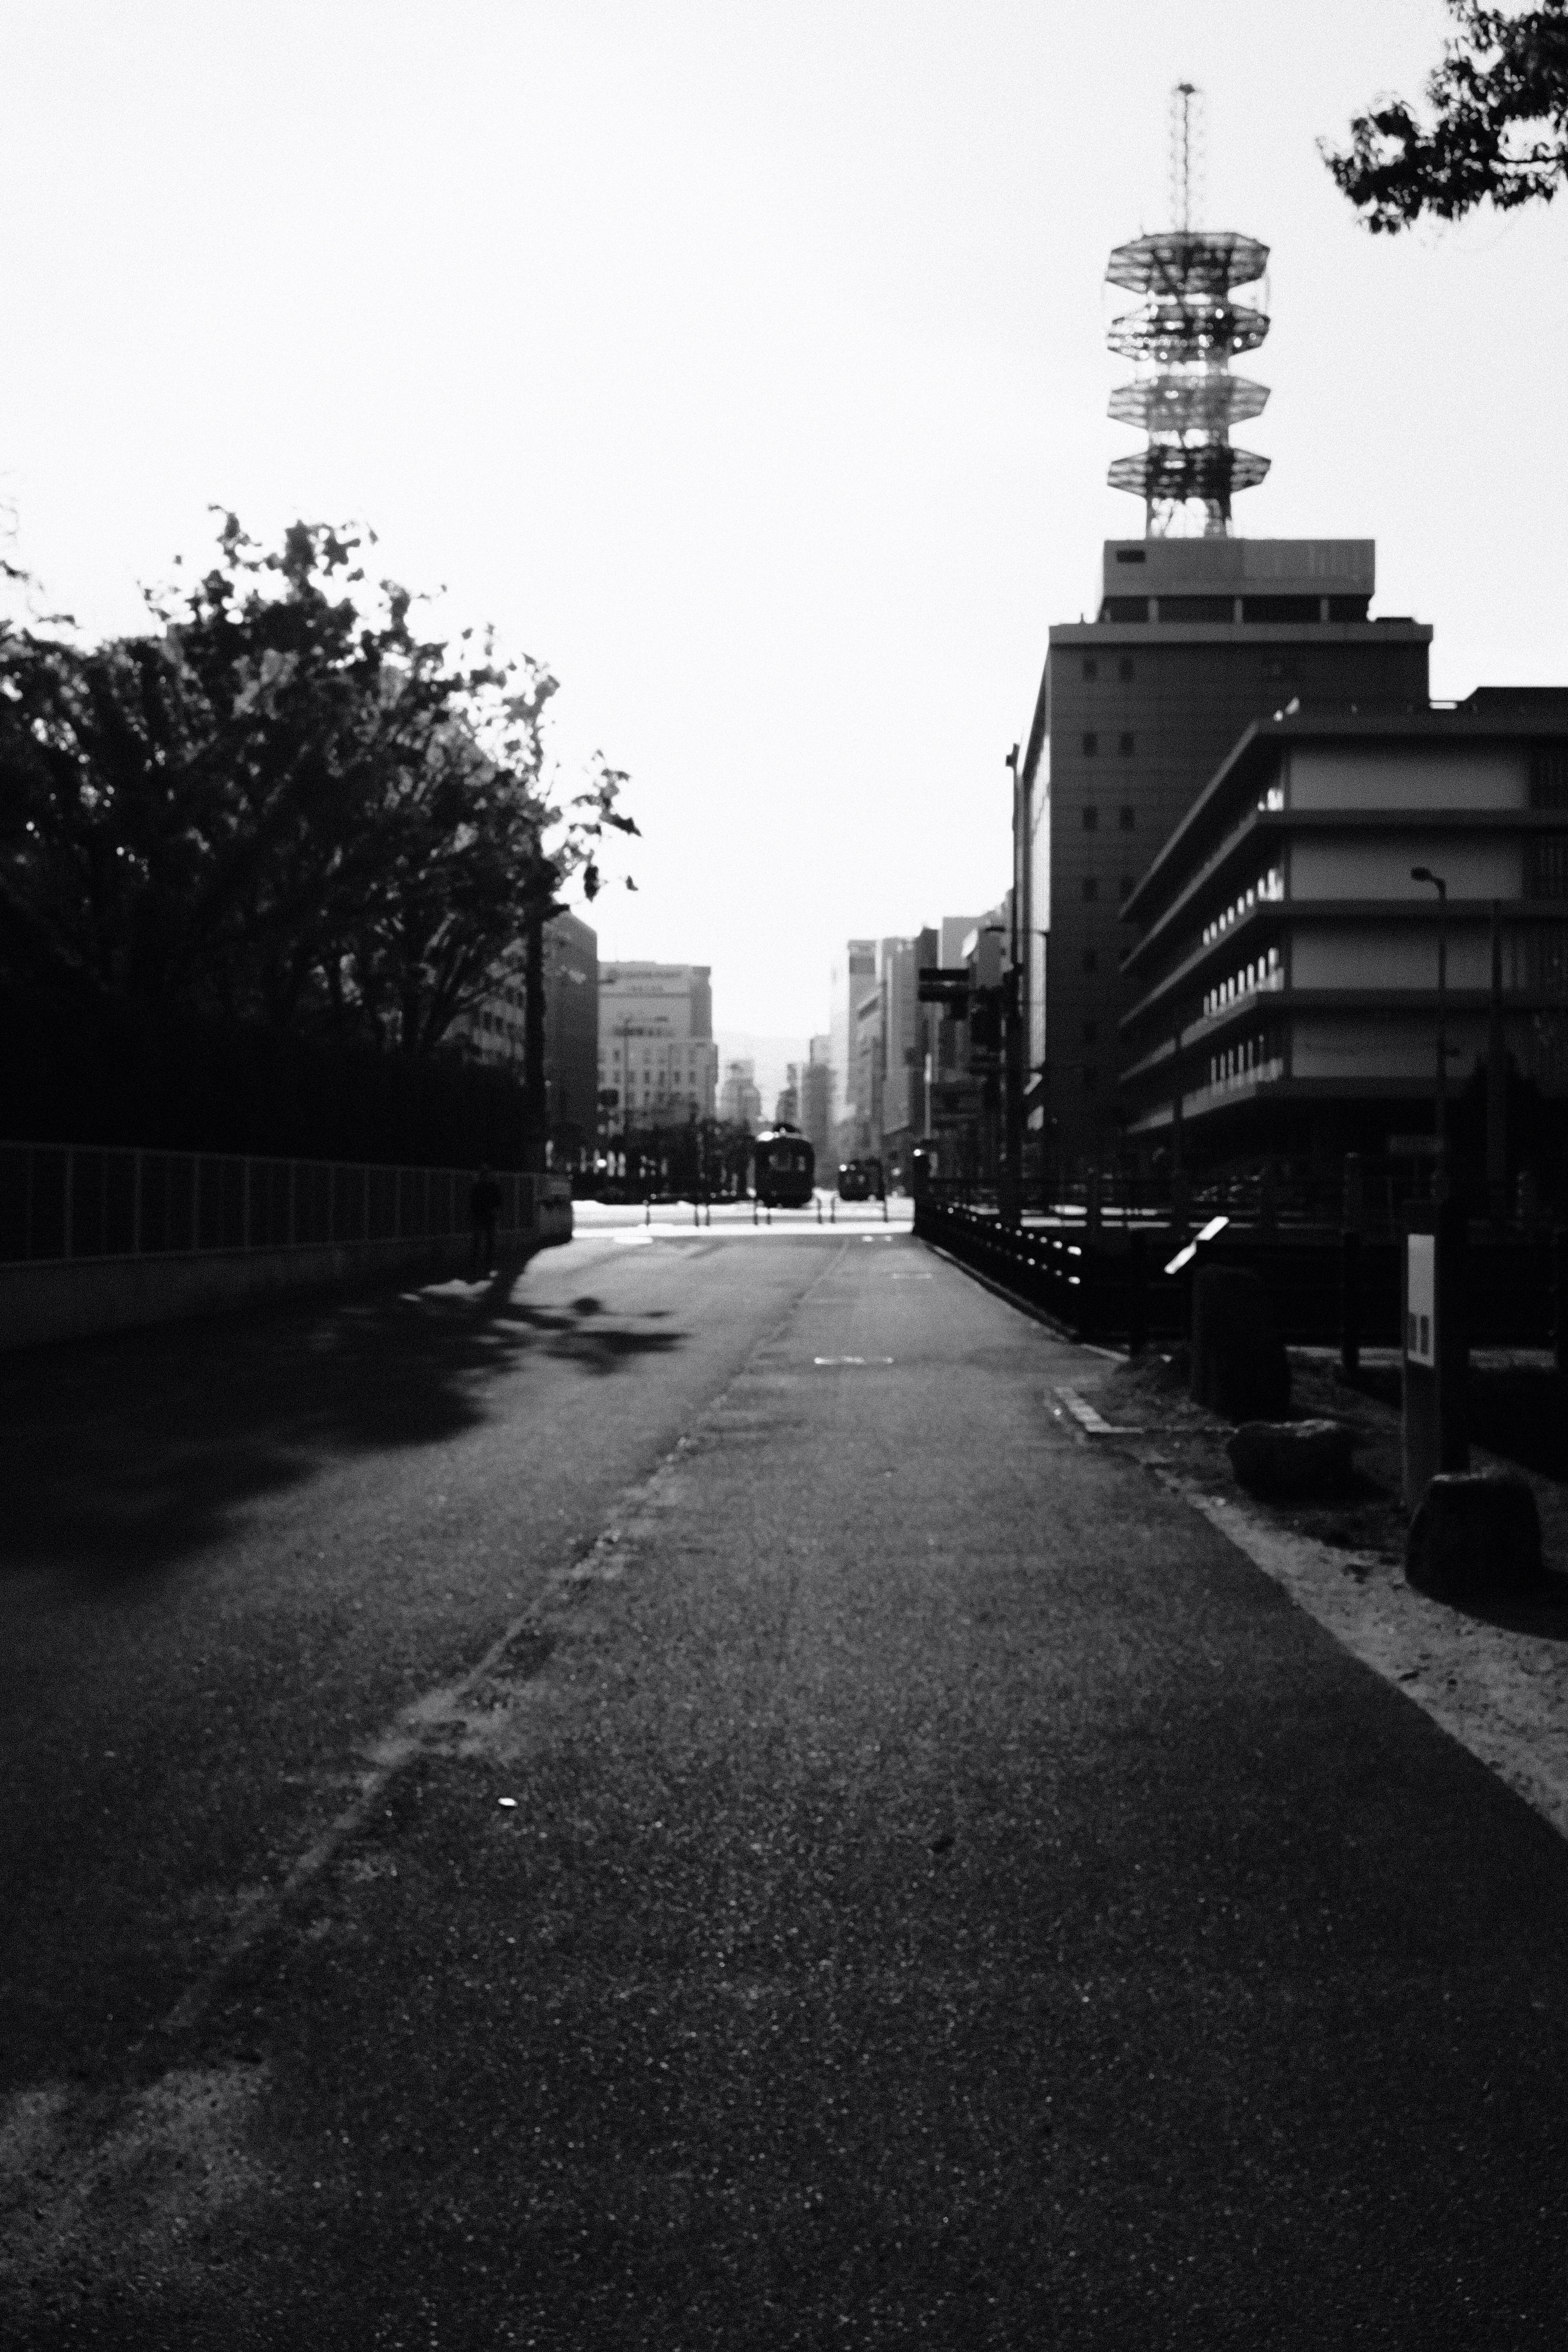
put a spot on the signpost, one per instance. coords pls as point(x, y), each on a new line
point(1434, 1348)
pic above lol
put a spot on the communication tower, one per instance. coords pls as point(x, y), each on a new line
point(1183, 335)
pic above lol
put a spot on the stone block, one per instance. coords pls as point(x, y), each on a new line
point(1239, 1365)
point(1293, 1460)
point(1476, 1533)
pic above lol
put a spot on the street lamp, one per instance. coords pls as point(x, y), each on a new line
point(1425, 874)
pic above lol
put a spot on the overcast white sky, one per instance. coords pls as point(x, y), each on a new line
point(743, 359)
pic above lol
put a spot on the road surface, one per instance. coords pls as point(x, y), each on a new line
point(672, 1802)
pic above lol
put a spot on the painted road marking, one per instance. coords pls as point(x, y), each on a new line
point(851, 1359)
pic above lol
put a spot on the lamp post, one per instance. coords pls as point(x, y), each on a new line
point(1425, 874)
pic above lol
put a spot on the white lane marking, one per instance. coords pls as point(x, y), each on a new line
point(851, 1359)
point(1088, 1418)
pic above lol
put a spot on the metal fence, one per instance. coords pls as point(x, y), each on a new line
point(71, 1200)
point(1322, 1287)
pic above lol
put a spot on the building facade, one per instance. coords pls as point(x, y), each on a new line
point(854, 973)
point(816, 1113)
point(1284, 980)
point(740, 1099)
point(1195, 640)
point(656, 1048)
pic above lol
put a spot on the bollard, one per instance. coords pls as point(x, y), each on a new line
point(884, 1208)
point(648, 1211)
point(754, 1208)
point(1350, 1303)
point(708, 1220)
point(819, 1208)
point(696, 1214)
point(833, 1210)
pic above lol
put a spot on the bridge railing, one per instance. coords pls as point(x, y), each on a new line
point(60, 1201)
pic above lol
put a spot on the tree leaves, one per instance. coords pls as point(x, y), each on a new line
point(288, 807)
point(1497, 130)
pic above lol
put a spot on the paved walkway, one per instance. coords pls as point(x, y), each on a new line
point(896, 1875)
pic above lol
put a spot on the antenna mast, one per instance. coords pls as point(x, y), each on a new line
point(1182, 336)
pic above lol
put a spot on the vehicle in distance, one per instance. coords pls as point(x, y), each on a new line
point(861, 1179)
point(783, 1168)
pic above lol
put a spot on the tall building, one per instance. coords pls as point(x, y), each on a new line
point(1136, 710)
point(854, 973)
point(657, 1052)
point(1194, 639)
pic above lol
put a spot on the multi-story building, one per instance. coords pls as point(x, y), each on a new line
point(673, 1000)
point(1193, 641)
point(657, 1052)
point(1284, 981)
point(853, 976)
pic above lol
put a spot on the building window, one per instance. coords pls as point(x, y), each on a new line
point(1128, 820)
point(1091, 819)
point(1091, 888)
point(1124, 668)
point(1090, 745)
point(1090, 960)
point(1090, 667)
point(1125, 747)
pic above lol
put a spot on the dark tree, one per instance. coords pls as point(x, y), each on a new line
point(1496, 127)
point(287, 809)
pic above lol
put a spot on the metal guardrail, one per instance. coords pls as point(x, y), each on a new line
point(1321, 1285)
point(73, 1200)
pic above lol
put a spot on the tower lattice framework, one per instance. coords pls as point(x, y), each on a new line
point(1183, 335)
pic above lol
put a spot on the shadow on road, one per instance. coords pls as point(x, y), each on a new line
point(122, 1455)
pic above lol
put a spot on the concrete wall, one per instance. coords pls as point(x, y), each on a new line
point(46, 1299)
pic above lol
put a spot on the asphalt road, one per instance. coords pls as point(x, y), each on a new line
point(673, 1803)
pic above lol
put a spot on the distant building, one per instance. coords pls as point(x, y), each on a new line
point(816, 1113)
point(853, 974)
point(1283, 983)
point(739, 1101)
point(655, 1044)
point(786, 1110)
point(673, 1000)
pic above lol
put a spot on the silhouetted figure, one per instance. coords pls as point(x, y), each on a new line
point(484, 1206)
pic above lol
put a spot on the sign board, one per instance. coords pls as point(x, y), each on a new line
point(1421, 1299)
